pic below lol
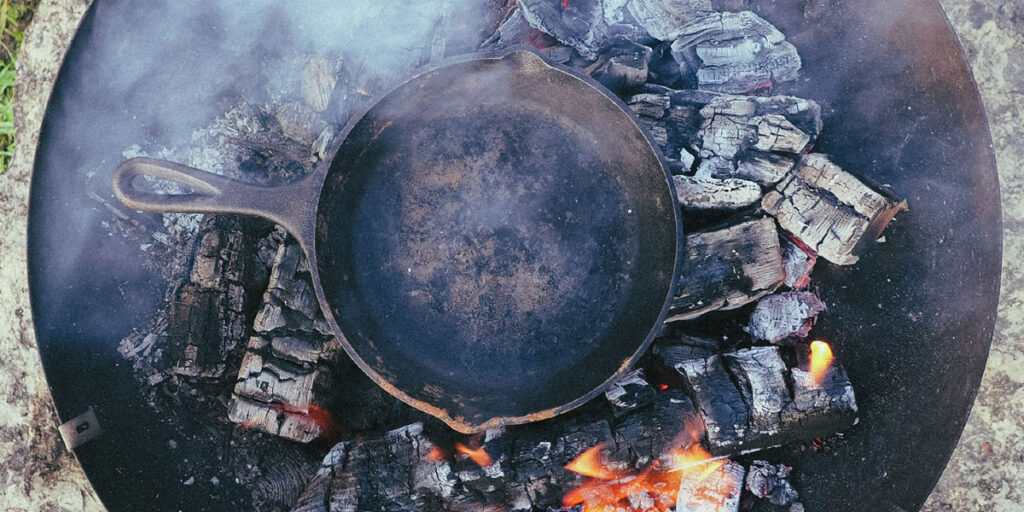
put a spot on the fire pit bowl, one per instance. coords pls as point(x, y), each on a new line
point(911, 322)
point(494, 240)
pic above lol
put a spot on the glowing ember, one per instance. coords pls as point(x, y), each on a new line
point(477, 454)
point(653, 490)
point(435, 455)
point(821, 360)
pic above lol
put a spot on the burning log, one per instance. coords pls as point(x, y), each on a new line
point(396, 472)
point(699, 193)
point(747, 403)
point(823, 398)
point(736, 52)
point(288, 364)
point(651, 433)
point(832, 212)
point(783, 316)
point(719, 492)
point(727, 268)
point(587, 25)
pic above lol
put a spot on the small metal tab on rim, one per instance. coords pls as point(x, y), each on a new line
point(80, 430)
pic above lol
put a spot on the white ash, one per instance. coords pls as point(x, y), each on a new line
point(736, 52)
point(699, 193)
point(784, 315)
point(665, 19)
point(771, 481)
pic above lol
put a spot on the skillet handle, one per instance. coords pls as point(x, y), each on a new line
point(291, 206)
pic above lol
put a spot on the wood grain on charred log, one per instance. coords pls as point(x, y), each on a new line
point(736, 52)
point(728, 268)
point(828, 209)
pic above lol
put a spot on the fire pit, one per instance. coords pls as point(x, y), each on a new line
point(896, 109)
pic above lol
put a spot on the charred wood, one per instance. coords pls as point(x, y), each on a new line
point(700, 193)
point(799, 264)
point(630, 392)
point(728, 268)
point(736, 52)
point(771, 482)
point(623, 66)
point(783, 316)
point(726, 416)
point(820, 404)
point(288, 367)
point(665, 19)
point(829, 210)
point(587, 25)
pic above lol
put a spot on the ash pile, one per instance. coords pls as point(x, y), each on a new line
point(243, 346)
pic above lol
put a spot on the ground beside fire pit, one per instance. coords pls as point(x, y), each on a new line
point(41, 476)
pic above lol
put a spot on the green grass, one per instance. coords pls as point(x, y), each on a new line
point(14, 17)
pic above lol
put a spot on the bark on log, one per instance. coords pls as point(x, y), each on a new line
point(728, 268)
point(831, 211)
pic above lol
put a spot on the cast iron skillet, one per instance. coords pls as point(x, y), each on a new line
point(900, 106)
point(493, 242)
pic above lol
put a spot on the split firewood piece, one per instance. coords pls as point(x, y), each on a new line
point(728, 268)
point(719, 492)
point(288, 364)
point(630, 392)
point(823, 398)
point(706, 193)
point(751, 400)
point(726, 416)
point(736, 52)
point(783, 316)
point(665, 19)
point(586, 25)
point(771, 482)
point(832, 212)
point(206, 321)
point(761, 377)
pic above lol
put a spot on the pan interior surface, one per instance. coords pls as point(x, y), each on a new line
point(495, 240)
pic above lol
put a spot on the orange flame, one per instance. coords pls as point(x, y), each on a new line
point(655, 489)
point(821, 360)
point(477, 454)
point(589, 464)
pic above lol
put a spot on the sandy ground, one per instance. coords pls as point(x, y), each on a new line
point(987, 469)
